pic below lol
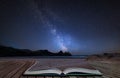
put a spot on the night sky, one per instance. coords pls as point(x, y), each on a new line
point(78, 26)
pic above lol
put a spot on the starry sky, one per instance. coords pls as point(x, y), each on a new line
point(78, 26)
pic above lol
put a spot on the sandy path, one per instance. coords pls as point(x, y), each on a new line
point(13, 68)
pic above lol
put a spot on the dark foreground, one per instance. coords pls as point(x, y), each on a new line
point(14, 68)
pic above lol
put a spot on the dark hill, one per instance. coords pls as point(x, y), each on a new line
point(10, 51)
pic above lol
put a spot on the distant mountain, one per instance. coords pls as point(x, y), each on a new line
point(10, 51)
point(111, 55)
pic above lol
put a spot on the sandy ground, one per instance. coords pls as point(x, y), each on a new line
point(14, 68)
point(109, 68)
point(61, 64)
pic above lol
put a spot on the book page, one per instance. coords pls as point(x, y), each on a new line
point(41, 68)
point(81, 70)
point(46, 71)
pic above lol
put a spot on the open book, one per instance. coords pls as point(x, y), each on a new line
point(65, 68)
point(66, 72)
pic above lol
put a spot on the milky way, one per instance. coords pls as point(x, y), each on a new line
point(47, 18)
